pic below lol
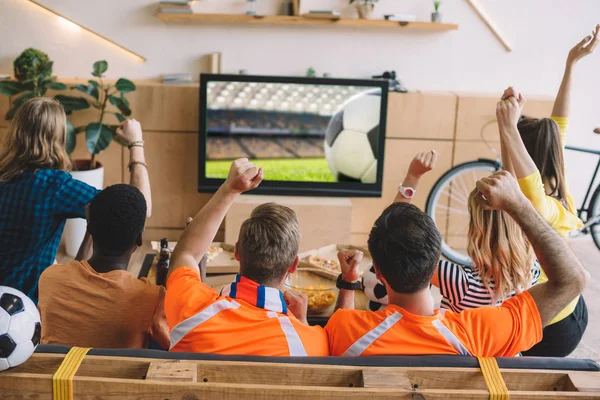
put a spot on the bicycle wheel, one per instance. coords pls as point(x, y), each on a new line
point(448, 206)
point(594, 212)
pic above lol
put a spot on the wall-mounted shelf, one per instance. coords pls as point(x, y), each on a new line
point(299, 20)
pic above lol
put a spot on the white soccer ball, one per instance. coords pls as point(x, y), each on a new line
point(375, 290)
point(20, 328)
point(352, 139)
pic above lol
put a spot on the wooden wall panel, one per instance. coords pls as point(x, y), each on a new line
point(400, 153)
point(470, 151)
point(478, 111)
point(170, 108)
point(421, 115)
point(173, 165)
point(323, 221)
point(4, 106)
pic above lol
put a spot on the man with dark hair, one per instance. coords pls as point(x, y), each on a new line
point(251, 316)
point(97, 303)
point(405, 245)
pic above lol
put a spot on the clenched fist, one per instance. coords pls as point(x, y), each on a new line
point(508, 110)
point(297, 303)
point(423, 162)
point(349, 262)
point(130, 131)
point(243, 176)
point(500, 192)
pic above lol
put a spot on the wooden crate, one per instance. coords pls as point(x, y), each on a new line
point(125, 378)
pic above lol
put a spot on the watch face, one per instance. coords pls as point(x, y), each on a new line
point(409, 192)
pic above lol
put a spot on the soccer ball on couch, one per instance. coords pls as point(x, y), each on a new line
point(352, 139)
point(20, 328)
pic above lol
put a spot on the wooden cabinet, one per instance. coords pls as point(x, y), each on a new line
point(451, 123)
point(421, 115)
point(172, 159)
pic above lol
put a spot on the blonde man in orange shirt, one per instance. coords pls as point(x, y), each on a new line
point(251, 316)
point(406, 245)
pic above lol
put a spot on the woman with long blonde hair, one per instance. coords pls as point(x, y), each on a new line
point(37, 193)
point(503, 262)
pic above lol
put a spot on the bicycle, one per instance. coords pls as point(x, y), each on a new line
point(447, 203)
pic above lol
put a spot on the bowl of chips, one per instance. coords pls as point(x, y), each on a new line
point(321, 292)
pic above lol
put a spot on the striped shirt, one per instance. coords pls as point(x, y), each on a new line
point(462, 287)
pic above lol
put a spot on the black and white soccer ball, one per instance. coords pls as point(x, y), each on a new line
point(352, 139)
point(20, 328)
point(375, 290)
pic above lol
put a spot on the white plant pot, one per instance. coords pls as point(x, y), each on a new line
point(75, 228)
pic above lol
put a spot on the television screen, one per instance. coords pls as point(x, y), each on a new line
point(312, 136)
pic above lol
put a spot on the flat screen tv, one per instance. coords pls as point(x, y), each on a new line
point(313, 136)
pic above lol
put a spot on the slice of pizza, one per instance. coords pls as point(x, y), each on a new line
point(213, 252)
point(325, 263)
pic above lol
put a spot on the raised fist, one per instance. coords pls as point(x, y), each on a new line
point(243, 176)
point(423, 162)
point(130, 131)
point(349, 262)
point(500, 192)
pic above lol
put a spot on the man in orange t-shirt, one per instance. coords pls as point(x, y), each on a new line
point(251, 316)
point(406, 245)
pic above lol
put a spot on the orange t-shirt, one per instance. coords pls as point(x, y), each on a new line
point(204, 322)
point(81, 307)
point(506, 330)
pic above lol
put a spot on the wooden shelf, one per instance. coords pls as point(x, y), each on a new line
point(290, 20)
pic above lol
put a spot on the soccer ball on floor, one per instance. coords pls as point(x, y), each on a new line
point(375, 290)
point(20, 328)
point(352, 139)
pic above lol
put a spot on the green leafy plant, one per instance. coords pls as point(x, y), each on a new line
point(98, 134)
point(33, 78)
point(436, 5)
point(311, 72)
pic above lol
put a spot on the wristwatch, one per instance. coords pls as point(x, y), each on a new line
point(342, 284)
point(407, 191)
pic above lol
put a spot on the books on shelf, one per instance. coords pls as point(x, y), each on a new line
point(175, 6)
point(175, 2)
point(322, 14)
point(178, 78)
point(176, 10)
point(401, 17)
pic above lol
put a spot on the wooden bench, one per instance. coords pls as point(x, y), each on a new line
point(220, 377)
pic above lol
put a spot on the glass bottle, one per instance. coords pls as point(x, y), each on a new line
point(162, 266)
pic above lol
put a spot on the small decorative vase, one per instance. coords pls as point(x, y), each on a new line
point(365, 10)
point(436, 17)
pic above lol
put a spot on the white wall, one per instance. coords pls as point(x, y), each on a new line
point(469, 59)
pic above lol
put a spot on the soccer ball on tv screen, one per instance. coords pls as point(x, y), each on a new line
point(352, 139)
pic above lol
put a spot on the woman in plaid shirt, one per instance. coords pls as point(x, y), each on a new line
point(37, 193)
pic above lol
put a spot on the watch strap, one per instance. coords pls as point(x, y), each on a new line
point(342, 284)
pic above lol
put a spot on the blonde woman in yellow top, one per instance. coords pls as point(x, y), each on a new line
point(532, 149)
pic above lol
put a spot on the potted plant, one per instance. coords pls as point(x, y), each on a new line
point(365, 8)
point(33, 78)
point(107, 99)
point(436, 16)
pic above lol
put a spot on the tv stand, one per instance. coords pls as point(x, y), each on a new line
point(323, 220)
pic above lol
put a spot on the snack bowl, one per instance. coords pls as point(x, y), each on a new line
point(322, 293)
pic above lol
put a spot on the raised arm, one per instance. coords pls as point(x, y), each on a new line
point(423, 162)
point(515, 157)
point(130, 132)
point(563, 98)
point(566, 276)
point(349, 263)
point(199, 234)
